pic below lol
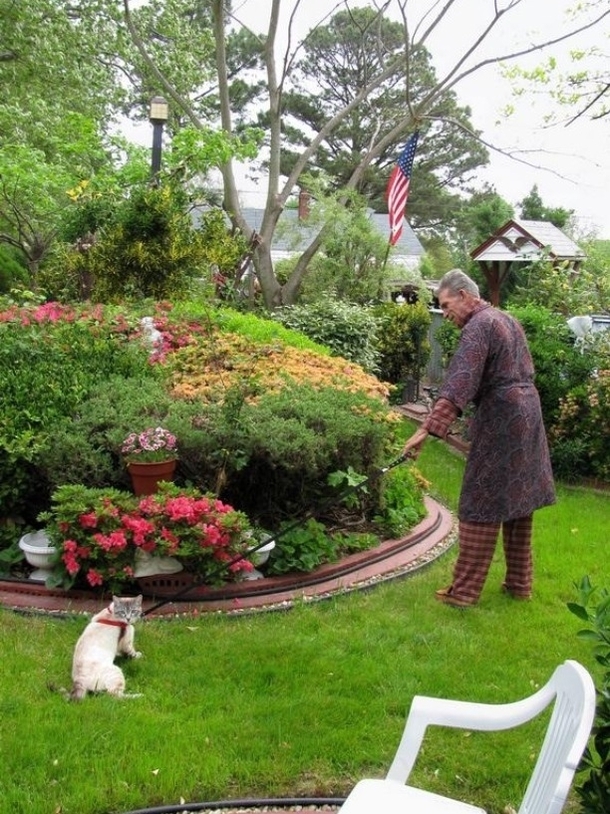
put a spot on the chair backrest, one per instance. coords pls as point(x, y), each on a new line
point(565, 740)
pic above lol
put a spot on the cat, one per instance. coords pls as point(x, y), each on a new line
point(110, 633)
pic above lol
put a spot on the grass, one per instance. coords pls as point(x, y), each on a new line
point(301, 703)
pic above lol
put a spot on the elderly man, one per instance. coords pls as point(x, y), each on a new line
point(508, 472)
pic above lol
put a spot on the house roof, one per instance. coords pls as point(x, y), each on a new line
point(524, 239)
point(292, 242)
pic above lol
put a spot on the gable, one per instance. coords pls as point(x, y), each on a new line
point(523, 240)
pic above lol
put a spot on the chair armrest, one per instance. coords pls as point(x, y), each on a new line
point(427, 711)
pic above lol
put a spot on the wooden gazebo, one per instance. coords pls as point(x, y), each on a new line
point(522, 241)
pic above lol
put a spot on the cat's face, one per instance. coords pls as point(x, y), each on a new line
point(127, 608)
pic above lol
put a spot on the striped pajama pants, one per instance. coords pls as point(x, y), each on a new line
point(477, 543)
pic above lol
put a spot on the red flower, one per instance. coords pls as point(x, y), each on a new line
point(241, 565)
point(211, 535)
point(115, 541)
point(181, 508)
point(88, 520)
point(139, 527)
point(94, 577)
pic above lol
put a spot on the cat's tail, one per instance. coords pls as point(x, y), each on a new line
point(61, 690)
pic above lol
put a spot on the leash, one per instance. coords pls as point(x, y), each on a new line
point(274, 538)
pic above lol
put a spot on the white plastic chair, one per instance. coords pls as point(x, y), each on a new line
point(570, 687)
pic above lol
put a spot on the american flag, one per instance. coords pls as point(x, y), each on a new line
point(398, 188)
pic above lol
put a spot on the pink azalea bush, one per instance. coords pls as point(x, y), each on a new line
point(98, 532)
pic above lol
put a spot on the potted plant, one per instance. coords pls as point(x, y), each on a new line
point(99, 535)
point(151, 457)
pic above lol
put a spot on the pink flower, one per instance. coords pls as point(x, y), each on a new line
point(102, 540)
point(181, 508)
point(72, 565)
point(152, 444)
point(70, 546)
point(88, 520)
point(139, 527)
point(69, 557)
point(211, 536)
point(94, 577)
point(115, 541)
point(241, 565)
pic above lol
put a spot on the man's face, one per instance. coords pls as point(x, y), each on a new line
point(455, 307)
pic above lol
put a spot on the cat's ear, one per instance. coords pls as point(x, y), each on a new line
point(138, 599)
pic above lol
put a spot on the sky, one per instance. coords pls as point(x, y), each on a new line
point(569, 165)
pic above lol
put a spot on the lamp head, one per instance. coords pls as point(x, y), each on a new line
point(159, 110)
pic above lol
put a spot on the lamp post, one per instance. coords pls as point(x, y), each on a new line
point(158, 116)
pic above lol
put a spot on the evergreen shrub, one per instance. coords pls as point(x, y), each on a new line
point(47, 368)
point(348, 330)
point(402, 341)
point(149, 248)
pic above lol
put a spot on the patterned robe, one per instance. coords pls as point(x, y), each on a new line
point(508, 472)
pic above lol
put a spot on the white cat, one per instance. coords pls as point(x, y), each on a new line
point(108, 635)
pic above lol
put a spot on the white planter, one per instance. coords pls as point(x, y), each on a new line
point(258, 558)
point(261, 555)
point(39, 553)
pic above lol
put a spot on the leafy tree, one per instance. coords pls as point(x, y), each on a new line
point(483, 214)
point(54, 142)
point(107, 57)
point(393, 70)
point(352, 264)
point(34, 186)
point(562, 288)
point(149, 248)
point(59, 93)
point(339, 59)
point(56, 57)
point(533, 208)
point(583, 87)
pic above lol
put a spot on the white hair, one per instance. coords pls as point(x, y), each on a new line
point(455, 281)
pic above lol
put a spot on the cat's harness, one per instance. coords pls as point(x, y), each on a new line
point(114, 623)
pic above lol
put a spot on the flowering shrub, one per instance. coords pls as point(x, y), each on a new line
point(153, 444)
point(98, 533)
point(582, 430)
point(207, 370)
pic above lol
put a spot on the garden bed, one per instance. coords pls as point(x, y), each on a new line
point(391, 559)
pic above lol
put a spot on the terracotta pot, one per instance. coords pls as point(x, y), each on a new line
point(145, 477)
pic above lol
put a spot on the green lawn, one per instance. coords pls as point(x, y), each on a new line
point(301, 703)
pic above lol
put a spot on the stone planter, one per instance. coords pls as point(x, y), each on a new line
point(147, 565)
point(39, 553)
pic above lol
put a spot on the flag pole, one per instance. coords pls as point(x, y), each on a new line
point(387, 254)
